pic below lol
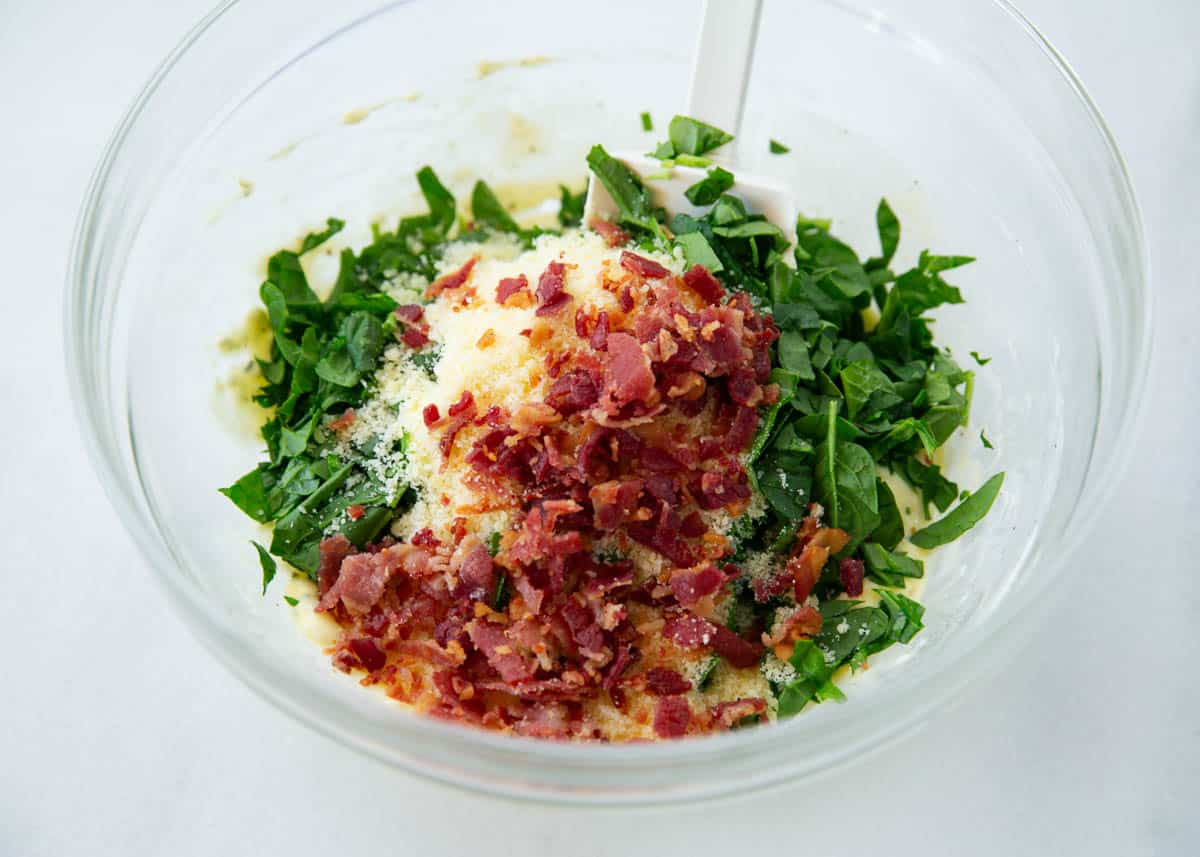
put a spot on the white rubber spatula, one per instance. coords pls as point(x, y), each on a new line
point(720, 71)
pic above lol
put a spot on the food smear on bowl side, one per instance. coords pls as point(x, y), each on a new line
point(608, 481)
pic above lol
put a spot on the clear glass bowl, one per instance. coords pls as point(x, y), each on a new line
point(961, 114)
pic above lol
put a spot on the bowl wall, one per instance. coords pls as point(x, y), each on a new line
point(958, 113)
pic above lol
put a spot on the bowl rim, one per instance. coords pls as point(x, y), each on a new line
point(202, 620)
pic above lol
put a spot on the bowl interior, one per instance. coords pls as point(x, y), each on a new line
point(962, 121)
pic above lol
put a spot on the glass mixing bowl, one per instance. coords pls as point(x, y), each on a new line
point(271, 116)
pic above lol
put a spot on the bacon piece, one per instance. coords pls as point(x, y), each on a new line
point(729, 714)
point(614, 501)
point(452, 280)
point(806, 564)
point(476, 571)
point(583, 626)
point(509, 286)
point(662, 539)
point(613, 235)
point(458, 414)
point(665, 682)
point(662, 488)
point(538, 541)
point(672, 715)
point(344, 421)
point(731, 647)
point(362, 577)
point(771, 587)
point(551, 296)
point(531, 417)
point(599, 337)
point(699, 280)
point(545, 720)
point(742, 387)
point(741, 432)
point(572, 392)
point(657, 460)
point(627, 373)
point(689, 631)
point(410, 313)
point(689, 585)
point(642, 266)
point(693, 526)
point(718, 488)
point(414, 338)
point(368, 653)
point(625, 298)
point(333, 550)
point(803, 622)
point(425, 650)
point(424, 538)
point(500, 652)
point(466, 402)
point(530, 594)
point(620, 662)
point(852, 572)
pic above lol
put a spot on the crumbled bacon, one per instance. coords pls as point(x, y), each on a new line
point(572, 392)
point(688, 631)
point(509, 286)
point(665, 682)
point(642, 266)
point(672, 716)
point(344, 421)
point(614, 236)
point(333, 551)
point(852, 572)
point(699, 280)
point(811, 553)
point(613, 502)
point(414, 338)
point(627, 373)
point(551, 295)
point(689, 585)
point(729, 714)
point(453, 280)
point(368, 653)
point(586, 467)
point(801, 623)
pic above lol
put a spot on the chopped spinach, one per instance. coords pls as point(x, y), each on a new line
point(962, 517)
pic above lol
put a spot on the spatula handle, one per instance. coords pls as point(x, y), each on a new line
point(721, 64)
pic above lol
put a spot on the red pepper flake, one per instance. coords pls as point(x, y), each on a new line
point(356, 511)
point(430, 414)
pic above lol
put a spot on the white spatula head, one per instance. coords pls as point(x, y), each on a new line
point(760, 195)
point(720, 71)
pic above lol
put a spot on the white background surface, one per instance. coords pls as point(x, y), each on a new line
point(120, 735)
